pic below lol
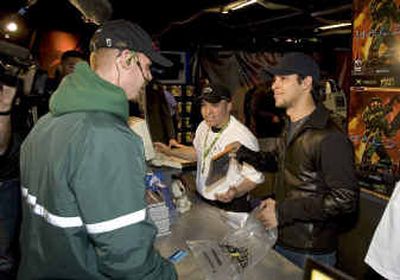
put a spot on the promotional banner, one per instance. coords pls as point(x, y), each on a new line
point(374, 124)
point(376, 43)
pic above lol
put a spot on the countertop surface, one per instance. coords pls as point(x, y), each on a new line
point(203, 222)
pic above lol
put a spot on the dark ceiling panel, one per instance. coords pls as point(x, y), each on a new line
point(189, 23)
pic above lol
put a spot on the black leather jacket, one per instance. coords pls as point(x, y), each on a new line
point(316, 186)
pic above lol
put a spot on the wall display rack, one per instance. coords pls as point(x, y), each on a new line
point(184, 95)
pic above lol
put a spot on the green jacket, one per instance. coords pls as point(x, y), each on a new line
point(84, 212)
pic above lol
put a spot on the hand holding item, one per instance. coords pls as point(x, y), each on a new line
point(175, 144)
point(267, 213)
point(162, 148)
point(227, 196)
point(232, 147)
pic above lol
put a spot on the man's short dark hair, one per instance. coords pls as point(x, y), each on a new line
point(315, 90)
point(72, 54)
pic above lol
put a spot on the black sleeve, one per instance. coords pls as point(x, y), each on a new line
point(9, 161)
point(262, 161)
point(340, 193)
point(339, 176)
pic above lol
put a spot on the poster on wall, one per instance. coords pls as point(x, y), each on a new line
point(376, 43)
point(374, 129)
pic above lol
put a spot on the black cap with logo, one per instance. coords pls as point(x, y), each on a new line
point(295, 63)
point(122, 34)
point(215, 93)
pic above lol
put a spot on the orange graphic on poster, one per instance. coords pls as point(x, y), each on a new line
point(376, 30)
point(374, 124)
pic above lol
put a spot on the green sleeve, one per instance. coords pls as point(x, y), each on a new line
point(109, 188)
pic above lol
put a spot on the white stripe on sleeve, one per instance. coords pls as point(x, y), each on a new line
point(69, 222)
point(59, 221)
point(117, 223)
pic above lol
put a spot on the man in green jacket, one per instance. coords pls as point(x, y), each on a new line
point(82, 171)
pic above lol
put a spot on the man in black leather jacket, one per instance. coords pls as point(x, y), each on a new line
point(316, 186)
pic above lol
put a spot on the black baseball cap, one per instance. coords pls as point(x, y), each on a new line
point(215, 93)
point(295, 63)
point(8, 80)
point(9, 74)
point(122, 34)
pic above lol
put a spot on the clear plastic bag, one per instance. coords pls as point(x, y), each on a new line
point(212, 260)
point(249, 244)
point(241, 249)
point(235, 220)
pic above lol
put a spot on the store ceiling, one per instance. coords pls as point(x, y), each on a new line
point(193, 23)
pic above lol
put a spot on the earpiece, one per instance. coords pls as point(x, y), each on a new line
point(134, 57)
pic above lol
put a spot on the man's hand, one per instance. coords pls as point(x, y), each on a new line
point(227, 196)
point(267, 213)
point(175, 144)
point(179, 151)
point(7, 95)
point(162, 148)
point(233, 147)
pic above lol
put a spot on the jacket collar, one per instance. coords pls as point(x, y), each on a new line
point(318, 118)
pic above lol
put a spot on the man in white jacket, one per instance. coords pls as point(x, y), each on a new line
point(219, 129)
point(384, 251)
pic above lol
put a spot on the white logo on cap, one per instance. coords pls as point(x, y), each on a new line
point(108, 42)
point(207, 90)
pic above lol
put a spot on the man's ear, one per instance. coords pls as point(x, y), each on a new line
point(230, 106)
point(307, 82)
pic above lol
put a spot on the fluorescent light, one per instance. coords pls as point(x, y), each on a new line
point(333, 26)
point(237, 5)
point(12, 27)
point(244, 4)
